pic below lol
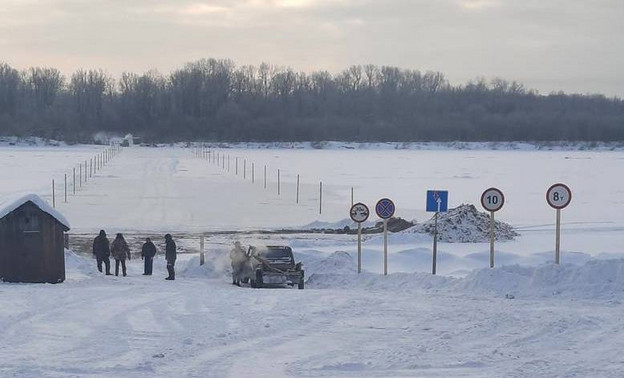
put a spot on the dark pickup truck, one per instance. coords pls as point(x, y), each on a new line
point(275, 266)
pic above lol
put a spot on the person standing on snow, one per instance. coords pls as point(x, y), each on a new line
point(238, 258)
point(147, 254)
point(101, 251)
point(170, 255)
point(121, 252)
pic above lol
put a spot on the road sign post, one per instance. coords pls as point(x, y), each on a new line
point(359, 213)
point(492, 200)
point(385, 210)
point(437, 201)
point(558, 197)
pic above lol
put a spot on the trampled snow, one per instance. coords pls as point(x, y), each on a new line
point(527, 317)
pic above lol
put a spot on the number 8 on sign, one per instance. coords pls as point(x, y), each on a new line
point(559, 196)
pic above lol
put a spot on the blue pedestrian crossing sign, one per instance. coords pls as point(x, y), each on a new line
point(385, 208)
point(437, 201)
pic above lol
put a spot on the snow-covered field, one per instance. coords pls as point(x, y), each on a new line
point(562, 321)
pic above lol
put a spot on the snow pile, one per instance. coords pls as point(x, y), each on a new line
point(216, 265)
point(465, 224)
point(77, 267)
point(337, 263)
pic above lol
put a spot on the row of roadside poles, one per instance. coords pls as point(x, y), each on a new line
point(558, 196)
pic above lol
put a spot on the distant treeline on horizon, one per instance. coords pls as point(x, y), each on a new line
point(214, 100)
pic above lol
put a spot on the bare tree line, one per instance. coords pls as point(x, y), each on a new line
point(215, 100)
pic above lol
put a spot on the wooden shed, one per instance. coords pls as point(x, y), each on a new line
point(31, 240)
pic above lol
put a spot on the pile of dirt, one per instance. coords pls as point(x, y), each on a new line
point(465, 224)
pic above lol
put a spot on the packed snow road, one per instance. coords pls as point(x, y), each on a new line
point(198, 327)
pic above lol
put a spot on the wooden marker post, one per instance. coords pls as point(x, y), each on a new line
point(492, 200)
point(359, 213)
point(74, 180)
point(202, 257)
point(297, 188)
point(265, 176)
point(558, 197)
point(351, 196)
point(80, 175)
point(321, 197)
point(385, 210)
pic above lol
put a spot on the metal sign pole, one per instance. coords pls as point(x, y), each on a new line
point(359, 247)
point(435, 243)
point(491, 239)
point(385, 222)
point(558, 237)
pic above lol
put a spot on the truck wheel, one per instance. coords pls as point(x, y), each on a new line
point(301, 284)
point(252, 283)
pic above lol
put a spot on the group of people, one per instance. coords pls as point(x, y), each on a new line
point(119, 250)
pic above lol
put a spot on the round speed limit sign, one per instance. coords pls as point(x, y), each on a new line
point(558, 196)
point(492, 199)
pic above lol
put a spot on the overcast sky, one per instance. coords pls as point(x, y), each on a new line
point(549, 45)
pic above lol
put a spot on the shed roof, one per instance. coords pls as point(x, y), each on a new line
point(10, 203)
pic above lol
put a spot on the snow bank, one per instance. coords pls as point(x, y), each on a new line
point(194, 270)
point(217, 265)
point(337, 263)
point(477, 146)
point(10, 203)
point(602, 279)
point(465, 224)
point(594, 279)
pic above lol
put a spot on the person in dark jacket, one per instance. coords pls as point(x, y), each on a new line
point(121, 252)
point(170, 255)
point(147, 254)
point(101, 251)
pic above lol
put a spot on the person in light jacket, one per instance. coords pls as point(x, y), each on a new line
point(121, 252)
point(170, 255)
